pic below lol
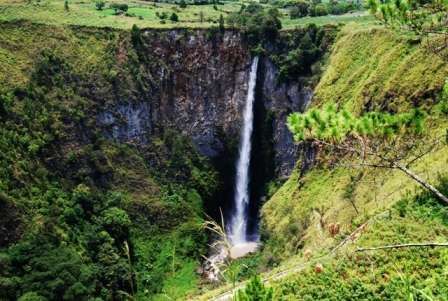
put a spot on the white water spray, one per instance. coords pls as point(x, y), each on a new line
point(238, 223)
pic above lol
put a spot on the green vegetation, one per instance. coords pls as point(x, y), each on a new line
point(86, 217)
point(420, 17)
point(301, 50)
point(331, 125)
point(124, 14)
point(375, 69)
point(302, 9)
point(254, 290)
point(375, 79)
point(256, 23)
point(90, 218)
point(410, 273)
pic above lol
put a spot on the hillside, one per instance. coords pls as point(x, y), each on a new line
point(298, 218)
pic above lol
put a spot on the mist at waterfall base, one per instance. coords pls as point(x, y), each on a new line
point(237, 228)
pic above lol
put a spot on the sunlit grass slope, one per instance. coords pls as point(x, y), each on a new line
point(391, 274)
point(367, 69)
point(376, 69)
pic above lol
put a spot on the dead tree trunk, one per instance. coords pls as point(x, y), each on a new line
point(422, 182)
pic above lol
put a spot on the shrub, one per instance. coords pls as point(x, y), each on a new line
point(255, 291)
point(318, 10)
point(119, 8)
point(32, 296)
point(340, 8)
point(163, 16)
point(182, 4)
point(100, 5)
point(116, 221)
point(301, 9)
point(174, 17)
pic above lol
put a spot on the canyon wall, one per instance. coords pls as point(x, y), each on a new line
point(196, 84)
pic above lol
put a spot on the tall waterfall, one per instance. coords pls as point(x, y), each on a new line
point(238, 223)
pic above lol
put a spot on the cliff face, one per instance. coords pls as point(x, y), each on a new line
point(282, 99)
point(197, 85)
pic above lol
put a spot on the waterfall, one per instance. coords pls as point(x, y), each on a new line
point(238, 222)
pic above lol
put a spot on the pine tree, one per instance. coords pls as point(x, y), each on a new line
point(221, 24)
point(254, 291)
point(374, 139)
point(174, 17)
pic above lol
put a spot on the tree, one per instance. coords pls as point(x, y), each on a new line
point(100, 5)
point(66, 8)
point(119, 8)
point(256, 23)
point(418, 16)
point(221, 24)
point(255, 291)
point(182, 4)
point(201, 16)
point(299, 10)
point(174, 17)
point(318, 10)
point(377, 140)
point(136, 36)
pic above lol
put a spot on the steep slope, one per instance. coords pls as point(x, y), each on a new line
point(313, 212)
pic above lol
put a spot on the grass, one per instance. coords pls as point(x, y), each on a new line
point(143, 14)
point(369, 68)
point(361, 18)
point(21, 43)
point(395, 274)
point(84, 13)
point(380, 69)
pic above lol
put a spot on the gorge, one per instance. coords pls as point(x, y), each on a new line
point(119, 146)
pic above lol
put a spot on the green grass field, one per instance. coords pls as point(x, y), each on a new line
point(143, 14)
point(357, 17)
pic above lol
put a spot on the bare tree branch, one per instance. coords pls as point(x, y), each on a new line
point(410, 245)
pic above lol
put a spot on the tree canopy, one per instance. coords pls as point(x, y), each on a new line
point(419, 16)
point(330, 124)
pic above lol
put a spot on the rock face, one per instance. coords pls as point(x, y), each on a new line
point(198, 86)
point(281, 100)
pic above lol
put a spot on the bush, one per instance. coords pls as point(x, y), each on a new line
point(300, 10)
point(119, 8)
point(182, 4)
point(255, 291)
point(32, 296)
point(163, 16)
point(340, 8)
point(100, 5)
point(318, 10)
point(256, 23)
point(174, 17)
